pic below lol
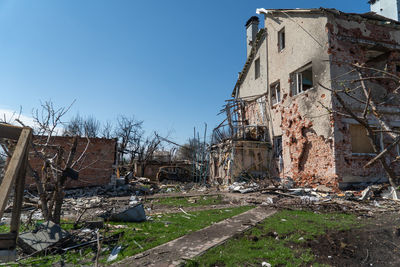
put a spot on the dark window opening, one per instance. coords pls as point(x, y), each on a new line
point(278, 146)
point(257, 68)
point(281, 39)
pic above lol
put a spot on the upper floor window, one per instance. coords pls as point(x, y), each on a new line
point(301, 80)
point(281, 39)
point(257, 68)
point(275, 89)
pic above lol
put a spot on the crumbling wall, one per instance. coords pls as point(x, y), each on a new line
point(311, 160)
point(152, 167)
point(356, 40)
point(233, 160)
point(254, 111)
point(96, 165)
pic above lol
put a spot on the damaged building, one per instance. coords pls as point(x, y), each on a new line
point(95, 168)
point(283, 122)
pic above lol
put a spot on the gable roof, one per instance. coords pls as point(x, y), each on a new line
point(259, 38)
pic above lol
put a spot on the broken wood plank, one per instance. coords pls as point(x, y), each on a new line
point(19, 190)
point(13, 169)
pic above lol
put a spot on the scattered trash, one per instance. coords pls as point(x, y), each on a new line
point(133, 201)
point(114, 253)
point(391, 193)
point(366, 193)
point(132, 214)
point(243, 187)
point(265, 264)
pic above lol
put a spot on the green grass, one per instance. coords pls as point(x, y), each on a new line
point(148, 234)
point(189, 201)
point(277, 240)
point(5, 228)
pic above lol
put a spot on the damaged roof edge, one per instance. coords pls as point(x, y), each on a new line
point(368, 16)
point(254, 49)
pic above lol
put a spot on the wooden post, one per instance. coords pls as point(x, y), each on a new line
point(16, 171)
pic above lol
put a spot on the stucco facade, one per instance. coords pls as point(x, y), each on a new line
point(296, 52)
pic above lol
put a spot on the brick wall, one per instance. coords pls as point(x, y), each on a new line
point(95, 167)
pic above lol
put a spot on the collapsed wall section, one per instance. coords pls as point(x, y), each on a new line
point(232, 161)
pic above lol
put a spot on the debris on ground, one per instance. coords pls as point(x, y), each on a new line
point(44, 236)
point(132, 214)
point(114, 253)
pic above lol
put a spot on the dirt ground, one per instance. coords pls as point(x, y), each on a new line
point(375, 243)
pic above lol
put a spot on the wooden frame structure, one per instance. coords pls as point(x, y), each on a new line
point(14, 174)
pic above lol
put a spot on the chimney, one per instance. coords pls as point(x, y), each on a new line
point(251, 32)
point(386, 8)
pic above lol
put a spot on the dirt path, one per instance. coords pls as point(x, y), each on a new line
point(196, 243)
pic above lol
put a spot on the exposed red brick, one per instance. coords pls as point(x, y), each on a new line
point(96, 164)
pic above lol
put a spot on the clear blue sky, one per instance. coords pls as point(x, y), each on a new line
point(169, 63)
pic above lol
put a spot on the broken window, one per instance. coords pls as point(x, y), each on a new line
point(360, 142)
point(275, 93)
point(257, 68)
point(301, 80)
point(281, 39)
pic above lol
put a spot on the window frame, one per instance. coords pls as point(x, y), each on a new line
point(273, 88)
point(296, 82)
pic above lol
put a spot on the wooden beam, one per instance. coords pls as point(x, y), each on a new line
point(10, 131)
point(14, 166)
point(19, 194)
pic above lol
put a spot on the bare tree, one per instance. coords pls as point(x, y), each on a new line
point(129, 133)
point(91, 127)
point(188, 150)
point(107, 130)
point(58, 163)
point(74, 126)
point(146, 150)
point(79, 126)
point(358, 100)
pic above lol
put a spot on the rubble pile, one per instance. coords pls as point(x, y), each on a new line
point(122, 187)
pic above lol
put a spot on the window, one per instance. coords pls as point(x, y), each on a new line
point(360, 142)
point(257, 68)
point(275, 89)
point(301, 80)
point(281, 39)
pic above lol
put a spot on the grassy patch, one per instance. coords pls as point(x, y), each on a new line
point(275, 239)
point(189, 201)
point(148, 234)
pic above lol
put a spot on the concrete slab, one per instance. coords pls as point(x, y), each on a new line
point(48, 234)
point(191, 245)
